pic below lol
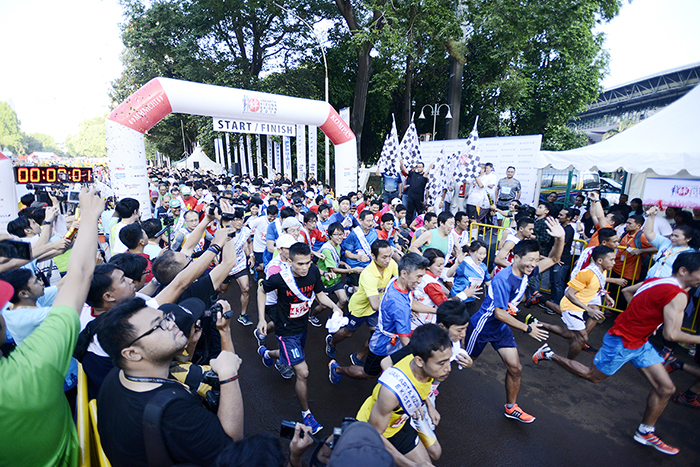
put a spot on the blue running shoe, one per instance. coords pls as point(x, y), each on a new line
point(311, 422)
point(332, 375)
point(267, 361)
point(356, 361)
point(330, 350)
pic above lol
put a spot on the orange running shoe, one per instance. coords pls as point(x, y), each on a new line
point(516, 413)
point(650, 439)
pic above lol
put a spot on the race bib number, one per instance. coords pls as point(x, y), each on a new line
point(474, 282)
point(297, 310)
point(505, 190)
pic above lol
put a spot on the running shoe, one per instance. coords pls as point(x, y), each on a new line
point(529, 319)
point(516, 413)
point(259, 337)
point(589, 349)
point(286, 371)
point(546, 309)
point(311, 422)
point(665, 353)
point(692, 402)
point(330, 350)
point(533, 300)
point(356, 361)
point(543, 353)
point(672, 364)
point(266, 359)
point(650, 439)
point(243, 319)
point(332, 375)
point(315, 321)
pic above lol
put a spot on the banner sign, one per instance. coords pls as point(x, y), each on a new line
point(268, 147)
point(278, 158)
point(251, 168)
point(675, 192)
point(258, 152)
point(518, 151)
point(258, 128)
point(301, 152)
point(345, 168)
point(287, 148)
point(241, 153)
point(313, 152)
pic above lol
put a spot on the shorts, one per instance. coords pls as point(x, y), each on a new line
point(355, 322)
point(354, 279)
point(258, 258)
point(373, 364)
point(613, 354)
point(406, 439)
point(292, 349)
point(574, 320)
point(238, 275)
point(596, 301)
point(337, 286)
point(476, 340)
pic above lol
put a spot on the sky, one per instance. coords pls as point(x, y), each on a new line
point(59, 57)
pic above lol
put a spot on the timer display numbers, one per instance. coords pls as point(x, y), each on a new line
point(53, 175)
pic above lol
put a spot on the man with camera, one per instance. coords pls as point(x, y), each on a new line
point(142, 342)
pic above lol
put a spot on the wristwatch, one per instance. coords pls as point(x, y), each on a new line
point(529, 329)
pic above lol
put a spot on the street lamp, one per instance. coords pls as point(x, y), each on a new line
point(435, 111)
point(325, 65)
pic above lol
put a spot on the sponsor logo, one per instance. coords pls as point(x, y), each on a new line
point(259, 106)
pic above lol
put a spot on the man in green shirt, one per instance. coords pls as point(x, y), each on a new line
point(37, 425)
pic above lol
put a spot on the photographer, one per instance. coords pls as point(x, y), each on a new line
point(142, 342)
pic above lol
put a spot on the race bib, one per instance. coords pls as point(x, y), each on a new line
point(505, 190)
point(297, 310)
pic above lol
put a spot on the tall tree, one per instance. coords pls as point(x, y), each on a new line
point(90, 141)
point(11, 136)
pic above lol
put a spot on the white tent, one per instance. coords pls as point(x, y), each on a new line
point(666, 143)
point(199, 161)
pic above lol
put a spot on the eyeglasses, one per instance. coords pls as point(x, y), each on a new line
point(163, 324)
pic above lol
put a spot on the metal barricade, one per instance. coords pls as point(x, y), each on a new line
point(489, 235)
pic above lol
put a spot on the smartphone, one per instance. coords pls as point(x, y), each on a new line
point(16, 250)
point(287, 429)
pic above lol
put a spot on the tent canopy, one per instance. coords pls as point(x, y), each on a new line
point(203, 162)
point(667, 142)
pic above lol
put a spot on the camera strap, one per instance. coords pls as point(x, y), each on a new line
point(156, 451)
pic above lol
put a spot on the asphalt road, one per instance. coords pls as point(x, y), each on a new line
point(578, 423)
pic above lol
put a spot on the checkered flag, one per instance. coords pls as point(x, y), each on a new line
point(389, 158)
point(468, 160)
point(440, 176)
point(410, 150)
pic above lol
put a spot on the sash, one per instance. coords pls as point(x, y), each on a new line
point(306, 234)
point(334, 253)
point(480, 271)
point(288, 277)
point(450, 246)
point(600, 275)
point(239, 242)
point(286, 202)
point(322, 228)
point(278, 226)
point(363, 240)
point(401, 385)
point(583, 261)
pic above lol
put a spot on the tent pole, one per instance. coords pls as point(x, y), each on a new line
point(624, 183)
point(568, 189)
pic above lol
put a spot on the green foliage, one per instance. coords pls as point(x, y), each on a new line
point(11, 137)
point(90, 141)
point(563, 138)
point(41, 142)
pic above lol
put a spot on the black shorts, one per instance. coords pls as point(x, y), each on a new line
point(354, 279)
point(406, 439)
point(338, 286)
point(373, 364)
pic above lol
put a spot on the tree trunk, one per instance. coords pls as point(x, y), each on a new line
point(407, 91)
point(454, 98)
point(364, 71)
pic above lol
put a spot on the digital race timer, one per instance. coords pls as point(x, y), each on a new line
point(53, 175)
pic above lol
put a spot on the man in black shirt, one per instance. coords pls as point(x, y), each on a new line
point(417, 180)
point(142, 342)
point(296, 285)
point(560, 271)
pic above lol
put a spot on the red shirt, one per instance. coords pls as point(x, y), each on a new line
point(645, 313)
point(149, 268)
point(190, 202)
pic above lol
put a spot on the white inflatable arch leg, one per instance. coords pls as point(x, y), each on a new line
point(159, 97)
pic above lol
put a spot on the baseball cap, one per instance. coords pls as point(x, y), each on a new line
point(290, 222)
point(285, 240)
point(154, 194)
point(297, 202)
point(360, 444)
point(6, 293)
point(395, 201)
point(187, 312)
point(175, 203)
point(186, 190)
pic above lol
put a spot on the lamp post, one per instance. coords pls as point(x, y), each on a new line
point(325, 66)
point(435, 111)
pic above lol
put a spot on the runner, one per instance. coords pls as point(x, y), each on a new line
point(429, 292)
point(259, 227)
point(577, 315)
point(491, 324)
point(245, 260)
point(470, 273)
point(504, 256)
point(393, 325)
point(365, 302)
point(652, 303)
point(403, 390)
point(357, 245)
point(297, 285)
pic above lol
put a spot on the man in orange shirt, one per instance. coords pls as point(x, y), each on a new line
point(600, 220)
point(628, 262)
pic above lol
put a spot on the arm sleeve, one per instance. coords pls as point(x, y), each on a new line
point(500, 288)
point(435, 293)
point(660, 242)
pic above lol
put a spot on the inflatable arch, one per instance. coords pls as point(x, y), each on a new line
point(159, 97)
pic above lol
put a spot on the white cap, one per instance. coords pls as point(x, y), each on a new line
point(285, 241)
point(395, 201)
point(290, 222)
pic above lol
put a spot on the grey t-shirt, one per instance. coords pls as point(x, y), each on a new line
point(509, 189)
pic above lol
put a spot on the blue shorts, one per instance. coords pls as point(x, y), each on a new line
point(355, 322)
point(477, 340)
point(258, 258)
point(292, 349)
point(613, 354)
